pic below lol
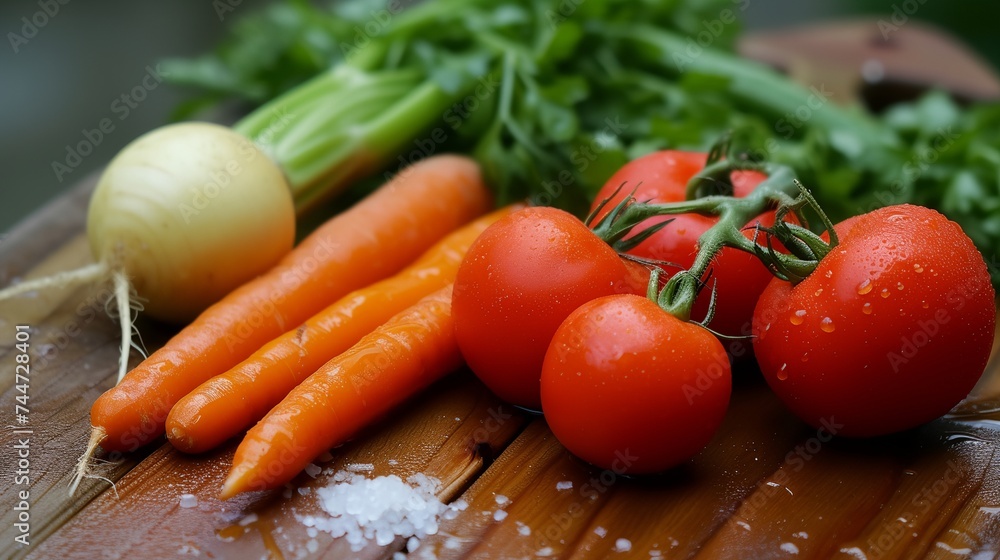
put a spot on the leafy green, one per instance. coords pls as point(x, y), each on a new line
point(551, 96)
point(539, 91)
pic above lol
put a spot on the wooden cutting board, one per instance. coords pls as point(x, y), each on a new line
point(767, 486)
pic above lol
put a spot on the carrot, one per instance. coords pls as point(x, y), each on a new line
point(229, 403)
point(370, 241)
point(387, 366)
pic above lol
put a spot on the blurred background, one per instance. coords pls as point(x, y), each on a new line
point(94, 62)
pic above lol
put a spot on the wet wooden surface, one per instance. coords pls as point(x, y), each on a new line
point(767, 486)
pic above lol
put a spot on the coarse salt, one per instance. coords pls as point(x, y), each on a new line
point(790, 548)
point(623, 545)
point(189, 501)
point(502, 500)
point(363, 510)
point(564, 485)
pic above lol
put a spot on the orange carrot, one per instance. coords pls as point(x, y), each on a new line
point(389, 365)
point(229, 403)
point(370, 241)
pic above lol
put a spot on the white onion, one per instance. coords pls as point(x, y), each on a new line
point(190, 211)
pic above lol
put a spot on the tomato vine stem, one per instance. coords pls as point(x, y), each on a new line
point(780, 190)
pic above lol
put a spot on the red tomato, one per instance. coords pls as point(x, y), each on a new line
point(518, 281)
point(739, 277)
point(629, 387)
point(892, 329)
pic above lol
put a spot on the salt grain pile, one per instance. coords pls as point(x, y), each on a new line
point(364, 510)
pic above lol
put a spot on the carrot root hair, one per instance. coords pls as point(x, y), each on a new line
point(97, 435)
point(126, 302)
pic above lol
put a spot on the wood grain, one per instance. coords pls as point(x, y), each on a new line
point(441, 435)
point(767, 487)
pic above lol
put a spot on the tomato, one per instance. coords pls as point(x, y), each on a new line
point(738, 277)
point(517, 283)
point(892, 329)
point(627, 386)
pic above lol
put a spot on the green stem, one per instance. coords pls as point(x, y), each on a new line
point(347, 123)
point(680, 292)
point(717, 173)
point(734, 215)
point(753, 84)
point(377, 142)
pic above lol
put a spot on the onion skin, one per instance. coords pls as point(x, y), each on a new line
point(190, 211)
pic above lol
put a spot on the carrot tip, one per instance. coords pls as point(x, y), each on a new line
point(97, 435)
point(234, 483)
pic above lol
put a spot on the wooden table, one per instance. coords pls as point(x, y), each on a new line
point(767, 486)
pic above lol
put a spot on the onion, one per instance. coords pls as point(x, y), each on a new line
point(190, 212)
point(182, 216)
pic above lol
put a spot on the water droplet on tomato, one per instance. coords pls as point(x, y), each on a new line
point(924, 304)
point(884, 293)
point(899, 285)
point(827, 325)
point(829, 274)
point(782, 374)
point(866, 309)
point(963, 436)
point(805, 357)
point(865, 287)
point(797, 317)
point(818, 292)
point(917, 268)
